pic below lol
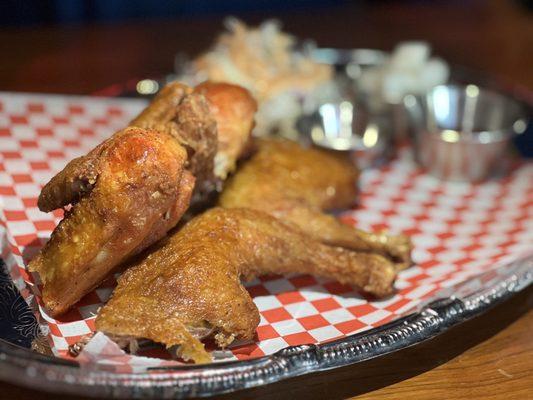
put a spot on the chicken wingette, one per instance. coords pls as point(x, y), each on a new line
point(190, 287)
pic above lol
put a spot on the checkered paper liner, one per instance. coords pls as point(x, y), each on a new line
point(459, 231)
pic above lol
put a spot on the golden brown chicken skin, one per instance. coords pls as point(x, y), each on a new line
point(233, 108)
point(131, 189)
point(296, 184)
point(186, 116)
point(190, 287)
point(210, 157)
point(140, 190)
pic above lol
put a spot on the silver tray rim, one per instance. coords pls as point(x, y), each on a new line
point(27, 368)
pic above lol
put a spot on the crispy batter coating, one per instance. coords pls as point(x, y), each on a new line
point(140, 190)
point(190, 287)
point(185, 115)
point(296, 184)
point(72, 183)
point(233, 108)
point(134, 187)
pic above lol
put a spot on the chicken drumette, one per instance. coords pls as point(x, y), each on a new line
point(190, 287)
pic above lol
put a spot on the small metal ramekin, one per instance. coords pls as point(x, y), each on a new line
point(462, 133)
point(347, 127)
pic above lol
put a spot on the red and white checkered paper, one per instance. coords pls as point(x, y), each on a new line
point(458, 230)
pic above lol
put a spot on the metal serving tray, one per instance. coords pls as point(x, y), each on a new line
point(23, 366)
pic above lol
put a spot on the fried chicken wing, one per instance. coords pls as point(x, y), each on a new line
point(233, 108)
point(190, 287)
point(137, 193)
point(131, 189)
point(185, 115)
point(296, 184)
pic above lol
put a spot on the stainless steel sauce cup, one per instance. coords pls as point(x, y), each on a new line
point(347, 127)
point(462, 133)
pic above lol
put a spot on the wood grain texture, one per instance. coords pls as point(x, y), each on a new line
point(500, 368)
point(488, 358)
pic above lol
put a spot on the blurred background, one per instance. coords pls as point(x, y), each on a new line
point(81, 46)
point(16, 12)
point(67, 11)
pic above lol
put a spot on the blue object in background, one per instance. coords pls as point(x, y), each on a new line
point(524, 141)
point(28, 12)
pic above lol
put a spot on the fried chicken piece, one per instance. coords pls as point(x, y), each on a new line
point(139, 189)
point(233, 108)
point(131, 189)
point(296, 184)
point(190, 287)
point(176, 111)
point(180, 112)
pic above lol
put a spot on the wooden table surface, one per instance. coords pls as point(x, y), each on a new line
point(488, 358)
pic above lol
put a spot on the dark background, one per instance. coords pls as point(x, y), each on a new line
point(76, 11)
point(35, 12)
point(42, 12)
point(81, 46)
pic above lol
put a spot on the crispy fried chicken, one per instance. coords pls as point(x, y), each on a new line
point(139, 189)
point(233, 108)
point(296, 184)
point(190, 287)
point(135, 186)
